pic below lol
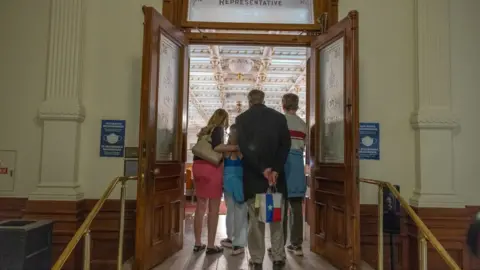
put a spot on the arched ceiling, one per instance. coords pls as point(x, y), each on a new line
point(276, 71)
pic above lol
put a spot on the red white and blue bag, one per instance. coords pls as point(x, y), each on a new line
point(269, 206)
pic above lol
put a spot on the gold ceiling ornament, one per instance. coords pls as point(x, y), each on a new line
point(215, 61)
point(218, 76)
point(240, 66)
point(262, 76)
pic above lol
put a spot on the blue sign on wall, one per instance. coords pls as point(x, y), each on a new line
point(369, 141)
point(112, 141)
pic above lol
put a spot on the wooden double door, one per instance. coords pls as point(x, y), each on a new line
point(333, 120)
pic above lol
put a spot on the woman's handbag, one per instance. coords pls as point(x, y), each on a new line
point(203, 149)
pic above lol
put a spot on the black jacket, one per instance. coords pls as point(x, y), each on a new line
point(264, 141)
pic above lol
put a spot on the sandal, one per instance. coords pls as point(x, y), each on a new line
point(214, 250)
point(199, 248)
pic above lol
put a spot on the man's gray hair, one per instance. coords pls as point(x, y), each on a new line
point(256, 97)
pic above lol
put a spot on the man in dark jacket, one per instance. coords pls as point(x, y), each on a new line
point(264, 141)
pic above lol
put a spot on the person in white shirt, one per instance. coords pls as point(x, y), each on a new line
point(295, 175)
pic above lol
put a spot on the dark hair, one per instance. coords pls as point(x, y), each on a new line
point(256, 96)
point(233, 128)
point(290, 102)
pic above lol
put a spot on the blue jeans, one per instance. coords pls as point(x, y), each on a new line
point(237, 223)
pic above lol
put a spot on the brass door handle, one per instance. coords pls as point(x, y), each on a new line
point(142, 181)
point(155, 172)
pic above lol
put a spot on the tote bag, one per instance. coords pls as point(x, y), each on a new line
point(269, 206)
point(203, 149)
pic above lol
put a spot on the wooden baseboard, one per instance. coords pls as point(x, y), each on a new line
point(68, 217)
point(447, 224)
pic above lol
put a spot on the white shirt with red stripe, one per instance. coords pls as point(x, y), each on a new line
point(298, 131)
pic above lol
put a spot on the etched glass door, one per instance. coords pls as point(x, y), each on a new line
point(335, 232)
point(160, 188)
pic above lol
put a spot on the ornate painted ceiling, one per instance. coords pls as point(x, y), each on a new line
point(222, 76)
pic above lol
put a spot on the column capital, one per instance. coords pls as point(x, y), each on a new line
point(62, 109)
point(434, 118)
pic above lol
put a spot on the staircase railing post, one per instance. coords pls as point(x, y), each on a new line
point(87, 249)
point(422, 252)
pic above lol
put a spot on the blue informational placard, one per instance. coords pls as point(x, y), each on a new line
point(369, 141)
point(112, 138)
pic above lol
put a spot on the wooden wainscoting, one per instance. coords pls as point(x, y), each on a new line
point(12, 208)
point(369, 240)
point(68, 217)
point(105, 233)
point(447, 224)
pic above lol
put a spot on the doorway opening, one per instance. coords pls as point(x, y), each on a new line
point(221, 76)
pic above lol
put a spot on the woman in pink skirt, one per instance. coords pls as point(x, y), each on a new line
point(209, 185)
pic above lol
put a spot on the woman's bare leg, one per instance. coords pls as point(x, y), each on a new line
point(213, 209)
point(198, 220)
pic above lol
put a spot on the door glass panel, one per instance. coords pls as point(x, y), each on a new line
point(251, 11)
point(168, 84)
point(332, 136)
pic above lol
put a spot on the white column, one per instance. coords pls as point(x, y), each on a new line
point(62, 112)
point(433, 119)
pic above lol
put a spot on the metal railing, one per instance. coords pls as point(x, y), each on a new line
point(425, 233)
point(84, 230)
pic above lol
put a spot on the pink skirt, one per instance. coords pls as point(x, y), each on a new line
point(208, 179)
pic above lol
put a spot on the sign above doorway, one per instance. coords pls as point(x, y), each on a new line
point(252, 11)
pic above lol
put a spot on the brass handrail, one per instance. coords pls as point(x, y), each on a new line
point(426, 234)
point(84, 229)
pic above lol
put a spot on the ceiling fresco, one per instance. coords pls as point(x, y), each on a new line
point(222, 76)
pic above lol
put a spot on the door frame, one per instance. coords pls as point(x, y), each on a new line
point(171, 10)
point(249, 39)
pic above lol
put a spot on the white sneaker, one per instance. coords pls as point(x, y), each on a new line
point(297, 250)
point(238, 250)
point(226, 243)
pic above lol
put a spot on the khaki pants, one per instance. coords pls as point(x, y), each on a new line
point(293, 221)
point(256, 236)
